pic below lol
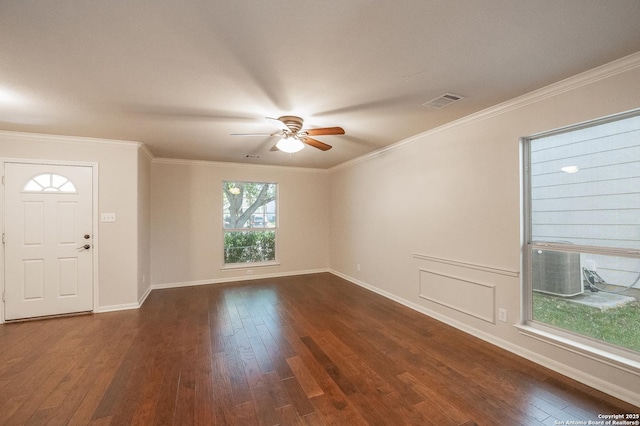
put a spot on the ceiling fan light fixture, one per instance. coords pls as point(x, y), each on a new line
point(290, 145)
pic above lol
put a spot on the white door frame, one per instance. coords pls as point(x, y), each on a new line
point(94, 220)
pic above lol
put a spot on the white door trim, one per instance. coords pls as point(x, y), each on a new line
point(94, 220)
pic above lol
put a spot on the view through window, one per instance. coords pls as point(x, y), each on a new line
point(249, 221)
point(583, 231)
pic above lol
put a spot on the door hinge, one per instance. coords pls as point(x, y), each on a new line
point(3, 299)
point(3, 238)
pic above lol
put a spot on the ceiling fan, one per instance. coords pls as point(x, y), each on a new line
point(293, 137)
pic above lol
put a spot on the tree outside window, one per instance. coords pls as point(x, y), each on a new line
point(249, 221)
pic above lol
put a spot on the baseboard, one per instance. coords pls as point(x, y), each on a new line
point(114, 308)
point(126, 306)
point(573, 373)
point(236, 279)
point(144, 296)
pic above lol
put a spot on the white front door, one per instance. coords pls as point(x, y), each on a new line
point(48, 239)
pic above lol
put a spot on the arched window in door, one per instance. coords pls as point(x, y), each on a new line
point(49, 182)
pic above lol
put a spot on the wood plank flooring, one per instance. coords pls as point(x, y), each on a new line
point(304, 350)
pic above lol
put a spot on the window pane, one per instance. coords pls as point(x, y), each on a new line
point(43, 180)
point(33, 186)
point(249, 209)
point(585, 186)
point(249, 205)
point(67, 187)
point(585, 191)
point(592, 295)
point(49, 182)
point(249, 246)
point(57, 181)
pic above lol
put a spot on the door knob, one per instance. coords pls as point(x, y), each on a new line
point(86, 247)
point(87, 236)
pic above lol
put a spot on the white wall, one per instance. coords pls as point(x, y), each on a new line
point(117, 191)
point(186, 221)
point(439, 216)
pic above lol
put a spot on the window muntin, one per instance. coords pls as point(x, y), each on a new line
point(249, 221)
point(49, 182)
point(583, 232)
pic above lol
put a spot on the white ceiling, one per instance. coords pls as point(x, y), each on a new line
point(182, 76)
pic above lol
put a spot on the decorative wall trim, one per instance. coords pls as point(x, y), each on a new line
point(447, 290)
point(114, 308)
point(491, 269)
point(221, 164)
point(144, 296)
point(626, 364)
point(143, 148)
point(235, 279)
point(127, 306)
point(81, 140)
point(607, 387)
point(607, 70)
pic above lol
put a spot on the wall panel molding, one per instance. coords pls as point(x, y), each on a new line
point(473, 298)
point(484, 268)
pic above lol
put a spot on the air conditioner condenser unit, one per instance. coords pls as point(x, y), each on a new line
point(557, 273)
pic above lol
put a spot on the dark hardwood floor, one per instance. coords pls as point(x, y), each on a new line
point(310, 349)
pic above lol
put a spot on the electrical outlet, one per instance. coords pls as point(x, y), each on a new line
point(502, 314)
point(358, 266)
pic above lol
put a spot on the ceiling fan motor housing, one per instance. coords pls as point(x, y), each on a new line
point(292, 122)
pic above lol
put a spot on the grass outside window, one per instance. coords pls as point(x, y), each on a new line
point(618, 326)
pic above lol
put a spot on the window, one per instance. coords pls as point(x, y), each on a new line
point(249, 225)
point(49, 182)
point(582, 230)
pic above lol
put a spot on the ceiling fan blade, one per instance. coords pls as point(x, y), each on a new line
point(257, 134)
point(278, 123)
point(274, 148)
point(324, 131)
point(316, 144)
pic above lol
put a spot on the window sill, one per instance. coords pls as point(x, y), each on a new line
point(247, 265)
point(618, 359)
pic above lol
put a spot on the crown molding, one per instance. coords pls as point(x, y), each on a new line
point(602, 72)
point(145, 151)
point(80, 140)
point(224, 164)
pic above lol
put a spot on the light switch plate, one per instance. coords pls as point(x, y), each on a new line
point(108, 217)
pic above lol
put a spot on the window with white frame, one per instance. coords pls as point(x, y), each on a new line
point(249, 212)
point(582, 231)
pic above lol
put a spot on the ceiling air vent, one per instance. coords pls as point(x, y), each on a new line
point(442, 100)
